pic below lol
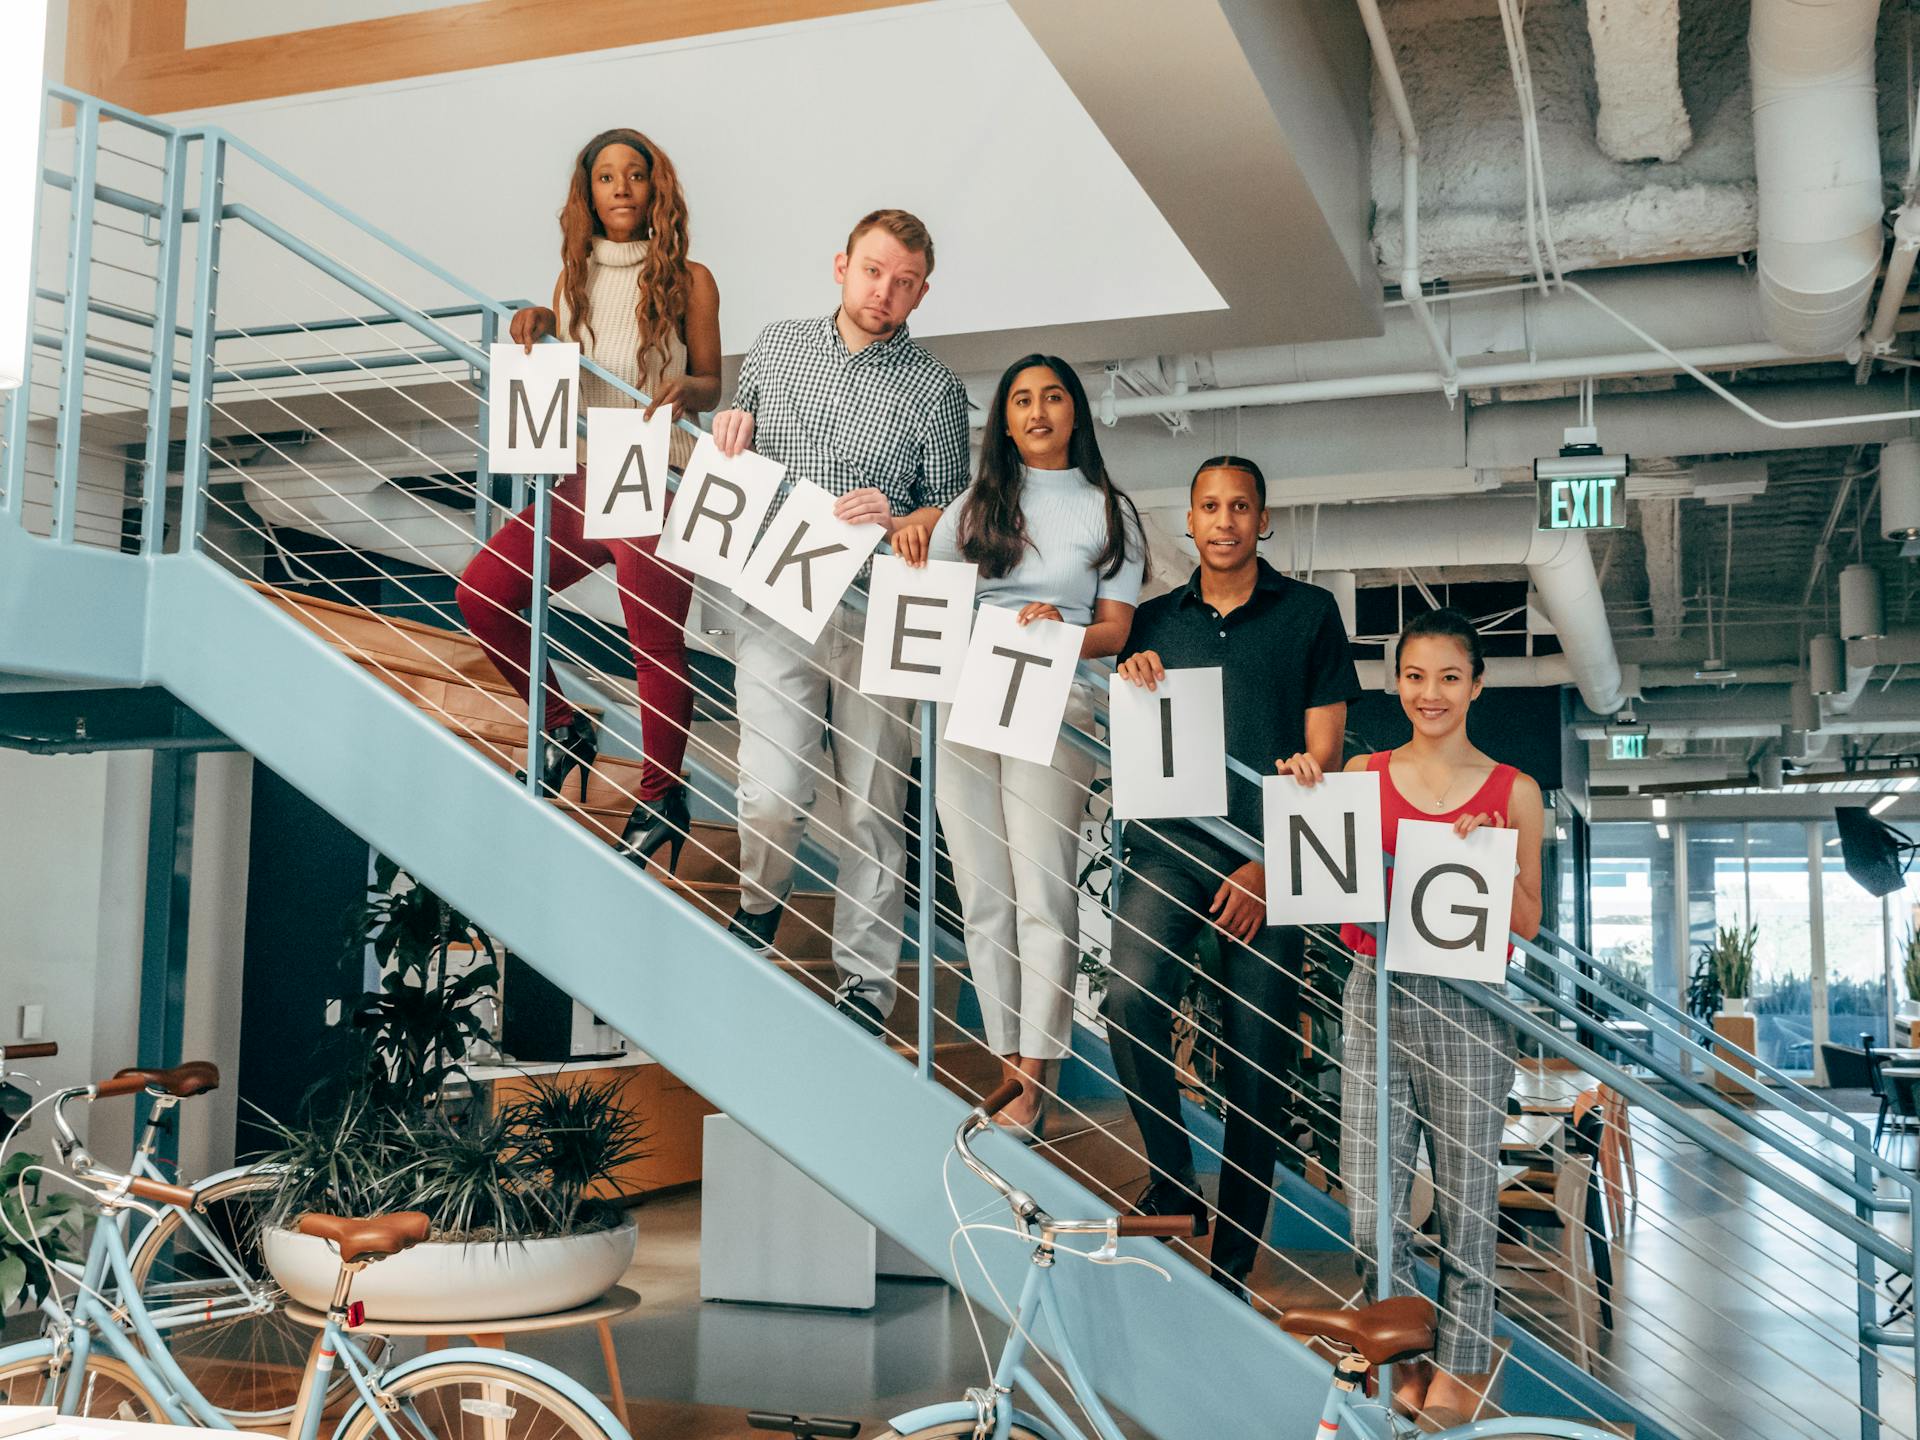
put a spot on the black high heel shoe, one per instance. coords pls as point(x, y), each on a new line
point(666, 821)
point(570, 743)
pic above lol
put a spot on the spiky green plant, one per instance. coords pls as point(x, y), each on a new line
point(1910, 968)
point(575, 1135)
point(1732, 952)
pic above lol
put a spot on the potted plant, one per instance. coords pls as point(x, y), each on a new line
point(34, 1228)
point(1730, 956)
point(516, 1230)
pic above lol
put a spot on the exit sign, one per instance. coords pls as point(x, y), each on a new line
point(1582, 502)
point(1629, 747)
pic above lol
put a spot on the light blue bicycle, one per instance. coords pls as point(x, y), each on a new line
point(1387, 1333)
point(105, 1356)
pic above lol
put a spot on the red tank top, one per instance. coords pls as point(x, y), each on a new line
point(1493, 798)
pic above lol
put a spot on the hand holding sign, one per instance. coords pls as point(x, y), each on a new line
point(626, 473)
point(718, 510)
point(1169, 746)
point(805, 561)
point(532, 398)
point(1452, 899)
point(1014, 685)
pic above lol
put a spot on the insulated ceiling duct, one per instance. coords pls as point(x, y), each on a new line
point(1816, 150)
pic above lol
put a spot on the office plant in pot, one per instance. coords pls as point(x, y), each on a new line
point(517, 1228)
point(1723, 976)
point(1730, 954)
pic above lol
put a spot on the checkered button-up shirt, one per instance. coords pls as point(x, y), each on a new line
point(889, 416)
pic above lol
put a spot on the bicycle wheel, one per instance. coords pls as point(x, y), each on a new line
point(474, 1400)
point(110, 1392)
point(233, 1338)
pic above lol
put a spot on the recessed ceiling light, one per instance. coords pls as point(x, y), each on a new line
point(1663, 832)
point(1660, 808)
point(1903, 786)
point(1882, 805)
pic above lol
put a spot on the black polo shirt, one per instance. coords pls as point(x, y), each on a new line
point(1283, 653)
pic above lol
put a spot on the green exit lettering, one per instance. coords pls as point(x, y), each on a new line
point(1581, 504)
point(1629, 747)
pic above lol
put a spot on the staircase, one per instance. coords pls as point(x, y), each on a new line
point(448, 677)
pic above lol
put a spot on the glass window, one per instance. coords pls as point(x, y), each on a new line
point(1779, 903)
point(1631, 907)
point(1855, 935)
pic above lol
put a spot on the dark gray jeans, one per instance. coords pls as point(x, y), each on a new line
point(1164, 899)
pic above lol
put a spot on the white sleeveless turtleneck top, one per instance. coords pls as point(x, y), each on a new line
point(612, 338)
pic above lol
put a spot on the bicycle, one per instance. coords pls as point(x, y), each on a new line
point(1389, 1332)
point(199, 1268)
point(105, 1357)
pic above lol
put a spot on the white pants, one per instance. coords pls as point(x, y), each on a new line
point(1013, 830)
point(785, 688)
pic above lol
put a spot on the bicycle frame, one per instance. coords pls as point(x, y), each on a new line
point(1036, 1301)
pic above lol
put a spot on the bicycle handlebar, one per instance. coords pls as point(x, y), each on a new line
point(30, 1050)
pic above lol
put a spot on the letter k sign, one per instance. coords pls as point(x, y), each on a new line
point(805, 561)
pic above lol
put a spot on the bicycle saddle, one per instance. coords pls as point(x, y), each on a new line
point(372, 1238)
point(196, 1077)
point(1386, 1332)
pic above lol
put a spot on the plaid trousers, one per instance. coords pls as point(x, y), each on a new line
point(1451, 1071)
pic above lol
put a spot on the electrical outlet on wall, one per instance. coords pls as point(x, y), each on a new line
point(33, 1022)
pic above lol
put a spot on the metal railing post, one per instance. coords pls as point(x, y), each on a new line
point(929, 743)
point(206, 278)
point(166, 306)
point(482, 473)
point(1865, 1303)
point(1382, 1136)
point(19, 402)
point(537, 645)
point(73, 358)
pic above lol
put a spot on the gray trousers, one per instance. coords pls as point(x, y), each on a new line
point(1452, 1069)
point(786, 690)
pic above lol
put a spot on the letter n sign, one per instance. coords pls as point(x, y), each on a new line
point(532, 406)
point(1452, 902)
point(1323, 850)
point(1169, 746)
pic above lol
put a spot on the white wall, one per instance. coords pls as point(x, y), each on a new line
point(73, 851)
point(783, 137)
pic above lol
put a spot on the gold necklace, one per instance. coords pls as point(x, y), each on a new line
point(1438, 797)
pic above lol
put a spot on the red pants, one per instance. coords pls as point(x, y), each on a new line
point(498, 585)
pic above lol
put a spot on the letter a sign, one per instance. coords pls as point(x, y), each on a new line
point(1323, 850)
point(1169, 746)
point(533, 400)
point(1452, 902)
point(626, 473)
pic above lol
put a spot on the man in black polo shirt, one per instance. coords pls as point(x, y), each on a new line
point(1288, 678)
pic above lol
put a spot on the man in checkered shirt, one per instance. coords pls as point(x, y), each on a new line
point(851, 403)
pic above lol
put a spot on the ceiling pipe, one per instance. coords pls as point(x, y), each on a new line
point(1410, 288)
point(1893, 288)
point(1816, 149)
point(1423, 533)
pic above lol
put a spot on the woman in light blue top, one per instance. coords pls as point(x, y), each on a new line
point(1055, 540)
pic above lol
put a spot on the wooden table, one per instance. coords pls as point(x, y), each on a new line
point(493, 1332)
point(1549, 1092)
point(1531, 1132)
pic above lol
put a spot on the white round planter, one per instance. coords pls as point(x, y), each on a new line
point(1733, 1005)
point(474, 1280)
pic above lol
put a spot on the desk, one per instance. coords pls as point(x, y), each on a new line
point(1549, 1092)
point(1531, 1132)
point(493, 1333)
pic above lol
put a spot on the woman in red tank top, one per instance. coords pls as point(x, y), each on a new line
point(1452, 1060)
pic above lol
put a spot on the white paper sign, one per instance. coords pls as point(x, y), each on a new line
point(805, 561)
point(1169, 746)
point(717, 511)
point(626, 473)
point(1324, 864)
point(918, 619)
point(532, 399)
point(1452, 901)
point(1014, 685)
